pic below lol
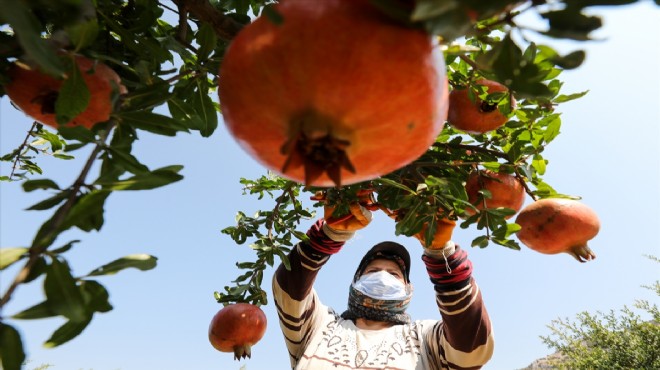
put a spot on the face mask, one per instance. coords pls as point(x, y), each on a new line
point(382, 285)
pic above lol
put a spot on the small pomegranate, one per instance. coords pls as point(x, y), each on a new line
point(236, 328)
point(35, 92)
point(476, 116)
point(556, 225)
point(336, 94)
point(505, 189)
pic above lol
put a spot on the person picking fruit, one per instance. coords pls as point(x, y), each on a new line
point(375, 332)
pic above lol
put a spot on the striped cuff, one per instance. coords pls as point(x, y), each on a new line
point(322, 242)
point(451, 272)
point(337, 235)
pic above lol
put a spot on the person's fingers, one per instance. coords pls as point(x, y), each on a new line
point(361, 214)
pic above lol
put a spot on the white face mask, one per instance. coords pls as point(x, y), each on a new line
point(382, 285)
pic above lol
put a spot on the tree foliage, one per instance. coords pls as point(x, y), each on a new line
point(612, 340)
point(167, 54)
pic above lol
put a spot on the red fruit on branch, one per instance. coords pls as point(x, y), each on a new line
point(236, 328)
point(555, 225)
point(506, 190)
point(36, 92)
point(336, 94)
point(476, 116)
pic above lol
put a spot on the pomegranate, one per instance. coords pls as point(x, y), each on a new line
point(35, 92)
point(555, 225)
point(505, 189)
point(236, 328)
point(336, 94)
point(476, 116)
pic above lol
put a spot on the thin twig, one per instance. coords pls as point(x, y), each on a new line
point(469, 61)
point(276, 210)
point(20, 149)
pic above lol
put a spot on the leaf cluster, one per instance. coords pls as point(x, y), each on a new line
point(271, 233)
point(614, 340)
point(76, 299)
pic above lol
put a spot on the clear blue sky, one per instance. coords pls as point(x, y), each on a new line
point(608, 153)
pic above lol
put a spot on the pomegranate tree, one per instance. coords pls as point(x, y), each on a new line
point(476, 116)
point(236, 328)
point(556, 225)
point(338, 93)
point(36, 92)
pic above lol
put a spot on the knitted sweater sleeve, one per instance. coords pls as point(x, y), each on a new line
point(297, 304)
point(463, 339)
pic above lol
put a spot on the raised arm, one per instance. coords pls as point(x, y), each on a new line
point(464, 338)
point(298, 307)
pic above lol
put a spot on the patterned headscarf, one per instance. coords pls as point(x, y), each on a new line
point(363, 306)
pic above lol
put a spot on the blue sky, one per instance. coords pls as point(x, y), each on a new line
point(608, 153)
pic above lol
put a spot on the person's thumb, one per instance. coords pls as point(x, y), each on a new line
point(361, 214)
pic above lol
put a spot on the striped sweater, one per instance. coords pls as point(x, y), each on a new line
point(317, 338)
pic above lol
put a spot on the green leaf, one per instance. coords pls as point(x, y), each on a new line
point(39, 311)
point(62, 292)
point(142, 262)
point(205, 109)
point(95, 295)
point(571, 23)
point(39, 268)
point(80, 133)
point(8, 256)
point(83, 34)
point(68, 331)
point(511, 244)
point(566, 98)
point(284, 258)
point(185, 113)
point(64, 248)
point(206, 39)
point(28, 31)
point(553, 125)
point(50, 202)
point(56, 143)
point(146, 181)
point(571, 60)
point(11, 346)
point(480, 241)
point(73, 97)
point(87, 212)
point(60, 155)
point(152, 122)
point(539, 164)
point(31, 185)
point(149, 97)
point(428, 9)
point(127, 161)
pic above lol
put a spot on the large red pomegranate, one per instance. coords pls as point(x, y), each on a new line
point(476, 116)
point(505, 189)
point(236, 328)
point(336, 94)
point(35, 92)
point(556, 225)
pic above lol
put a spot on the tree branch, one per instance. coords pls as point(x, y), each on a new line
point(38, 248)
point(225, 27)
